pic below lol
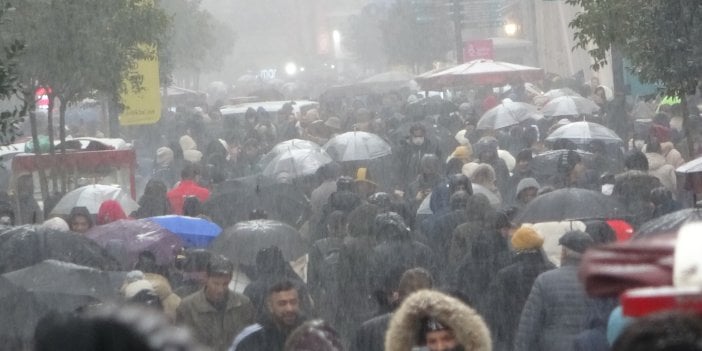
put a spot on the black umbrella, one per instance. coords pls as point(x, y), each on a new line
point(669, 223)
point(234, 200)
point(64, 286)
point(21, 311)
point(571, 204)
point(242, 242)
point(25, 246)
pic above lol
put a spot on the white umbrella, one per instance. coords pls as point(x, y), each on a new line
point(297, 163)
point(508, 113)
point(357, 146)
point(285, 146)
point(92, 196)
point(583, 132)
point(569, 106)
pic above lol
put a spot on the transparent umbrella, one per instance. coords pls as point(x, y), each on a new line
point(296, 163)
point(580, 132)
point(507, 114)
point(357, 146)
point(569, 106)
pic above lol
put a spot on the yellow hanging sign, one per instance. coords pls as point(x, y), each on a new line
point(142, 105)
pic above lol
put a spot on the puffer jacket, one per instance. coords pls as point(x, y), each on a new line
point(468, 326)
point(658, 168)
point(555, 312)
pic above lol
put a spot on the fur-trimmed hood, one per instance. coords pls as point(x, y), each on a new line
point(470, 329)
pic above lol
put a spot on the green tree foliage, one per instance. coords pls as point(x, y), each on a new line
point(79, 47)
point(198, 42)
point(13, 106)
point(659, 37)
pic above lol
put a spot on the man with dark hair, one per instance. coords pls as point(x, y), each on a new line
point(215, 314)
point(371, 335)
point(187, 186)
point(270, 333)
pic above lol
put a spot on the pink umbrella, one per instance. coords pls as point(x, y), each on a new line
point(479, 72)
point(125, 239)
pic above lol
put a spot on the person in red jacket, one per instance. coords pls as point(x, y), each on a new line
point(187, 187)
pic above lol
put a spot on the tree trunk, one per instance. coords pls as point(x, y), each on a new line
point(50, 133)
point(686, 126)
point(43, 183)
point(62, 137)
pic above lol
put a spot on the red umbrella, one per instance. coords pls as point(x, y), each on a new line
point(479, 72)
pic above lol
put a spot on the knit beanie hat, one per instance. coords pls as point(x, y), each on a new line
point(463, 152)
point(526, 238)
point(193, 156)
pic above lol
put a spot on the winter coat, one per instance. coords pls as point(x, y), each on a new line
point(323, 275)
point(508, 293)
point(468, 326)
point(658, 168)
point(186, 188)
point(210, 326)
point(110, 211)
point(370, 336)
point(555, 312)
point(671, 154)
point(263, 336)
point(393, 257)
point(633, 189)
point(461, 239)
point(409, 157)
point(488, 253)
point(440, 232)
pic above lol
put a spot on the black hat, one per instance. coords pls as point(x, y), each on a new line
point(576, 240)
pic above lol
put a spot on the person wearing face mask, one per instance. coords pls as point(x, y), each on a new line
point(437, 322)
point(411, 151)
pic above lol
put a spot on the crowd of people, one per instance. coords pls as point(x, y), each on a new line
point(417, 249)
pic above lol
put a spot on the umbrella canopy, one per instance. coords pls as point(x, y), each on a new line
point(357, 146)
point(569, 106)
point(196, 232)
point(545, 164)
point(693, 166)
point(479, 72)
point(507, 114)
point(237, 198)
point(296, 163)
point(554, 93)
point(669, 223)
point(584, 132)
point(242, 242)
point(125, 239)
point(64, 286)
point(571, 204)
point(21, 311)
point(52, 276)
point(25, 246)
point(92, 196)
point(292, 144)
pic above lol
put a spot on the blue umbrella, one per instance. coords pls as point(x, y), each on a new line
point(197, 232)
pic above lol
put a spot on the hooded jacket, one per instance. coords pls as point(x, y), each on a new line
point(659, 168)
point(468, 326)
point(110, 211)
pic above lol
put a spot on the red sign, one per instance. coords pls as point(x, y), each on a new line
point(477, 49)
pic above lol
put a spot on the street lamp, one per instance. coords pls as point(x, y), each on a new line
point(511, 29)
point(336, 40)
point(291, 68)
